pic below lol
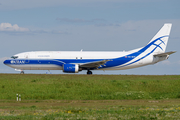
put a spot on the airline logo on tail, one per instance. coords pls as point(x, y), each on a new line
point(157, 45)
point(157, 40)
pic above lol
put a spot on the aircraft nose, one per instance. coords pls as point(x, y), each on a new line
point(6, 62)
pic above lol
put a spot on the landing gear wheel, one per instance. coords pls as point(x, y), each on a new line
point(89, 72)
point(22, 72)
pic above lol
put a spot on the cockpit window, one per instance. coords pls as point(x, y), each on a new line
point(14, 57)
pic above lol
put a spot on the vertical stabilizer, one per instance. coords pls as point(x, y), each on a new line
point(160, 40)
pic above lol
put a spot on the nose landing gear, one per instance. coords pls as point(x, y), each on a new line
point(22, 72)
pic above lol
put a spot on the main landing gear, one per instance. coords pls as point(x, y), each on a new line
point(89, 72)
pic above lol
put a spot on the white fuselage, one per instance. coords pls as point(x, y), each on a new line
point(53, 60)
point(75, 61)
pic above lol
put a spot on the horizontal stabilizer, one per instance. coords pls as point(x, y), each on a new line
point(164, 54)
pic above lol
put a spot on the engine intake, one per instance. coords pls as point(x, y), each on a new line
point(70, 68)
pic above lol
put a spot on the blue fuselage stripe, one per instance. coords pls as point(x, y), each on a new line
point(121, 61)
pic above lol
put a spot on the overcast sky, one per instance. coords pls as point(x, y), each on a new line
point(91, 25)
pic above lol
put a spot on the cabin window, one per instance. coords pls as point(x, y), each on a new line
point(14, 57)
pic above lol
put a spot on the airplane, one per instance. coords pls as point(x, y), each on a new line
point(76, 61)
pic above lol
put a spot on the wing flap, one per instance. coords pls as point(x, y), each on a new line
point(94, 64)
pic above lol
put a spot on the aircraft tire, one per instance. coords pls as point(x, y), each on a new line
point(22, 72)
point(89, 72)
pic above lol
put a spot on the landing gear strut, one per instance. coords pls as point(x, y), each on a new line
point(89, 72)
point(22, 72)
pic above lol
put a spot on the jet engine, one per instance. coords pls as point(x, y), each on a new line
point(71, 68)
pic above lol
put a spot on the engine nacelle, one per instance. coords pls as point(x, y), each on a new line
point(71, 68)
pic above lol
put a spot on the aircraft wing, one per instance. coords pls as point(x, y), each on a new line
point(164, 54)
point(94, 64)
